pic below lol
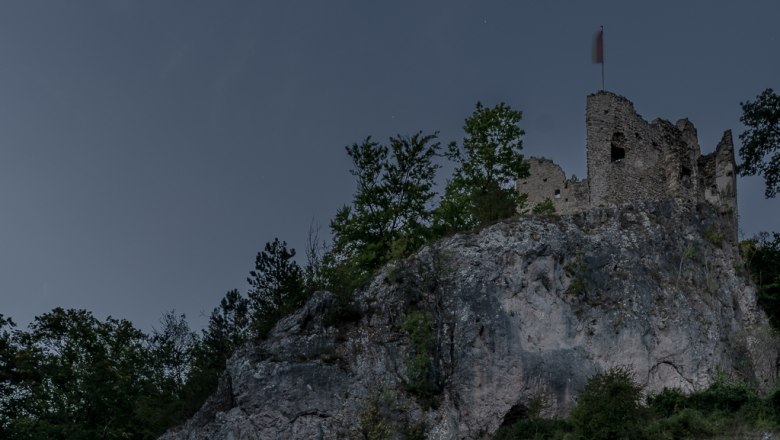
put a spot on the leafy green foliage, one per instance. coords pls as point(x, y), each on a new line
point(10, 376)
point(682, 424)
point(172, 349)
point(545, 208)
point(727, 406)
point(453, 213)
point(535, 429)
point(667, 402)
point(373, 425)
point(762, 256)
point(420, 373)
point(385, 419)
point(488, 165)
point(760, 151)
point(228, 328)
point(714, 235)
point(74, 377)
point(277, 286)
point(71, 376)
point(723, 395)
point(526, 422)
point(394, 188)
point(577, 269)
point(609, 407)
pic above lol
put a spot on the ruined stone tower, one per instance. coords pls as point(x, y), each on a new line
point(630, 159)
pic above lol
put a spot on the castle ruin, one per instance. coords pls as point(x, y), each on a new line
point(630, 160)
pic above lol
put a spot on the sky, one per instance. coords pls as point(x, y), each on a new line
point(148, 150)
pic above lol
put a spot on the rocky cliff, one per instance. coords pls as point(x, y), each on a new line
point(466, 333)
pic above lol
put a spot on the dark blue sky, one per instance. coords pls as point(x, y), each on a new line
point(149, 149)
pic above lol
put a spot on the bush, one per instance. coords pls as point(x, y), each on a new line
point(609, 407)
point(384, 418)
point(667, 402)
point(545, 208)
point(420, 373)
point(723, 395)
point(535, 429)
point(714, 236)
point(773, 404)
point(687, 423)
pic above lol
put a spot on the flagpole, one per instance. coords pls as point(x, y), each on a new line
point(603, 57)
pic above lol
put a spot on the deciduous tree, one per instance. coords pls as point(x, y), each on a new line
point(78, 378)
point(762, 255)
point(391, 208)
point(760, 151)
point(489, 163)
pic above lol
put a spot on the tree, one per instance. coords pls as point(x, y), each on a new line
point(172, 349)
point(228, 328)
point(762, 256)
point(390, 210)
point(166, 400)
point(489, 163)
point(760, 151)
point(277, 286)
point(609, 407)
point(9, 375)
point(77, 378)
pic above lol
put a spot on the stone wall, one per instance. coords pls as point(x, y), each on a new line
point(548, 181)
point(630, 159)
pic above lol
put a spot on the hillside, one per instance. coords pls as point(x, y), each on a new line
point(470, 330)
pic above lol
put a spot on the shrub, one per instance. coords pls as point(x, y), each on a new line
point(667, 402)
point(714, 236)
point(687, 423)
point(421, 378)
point(384, 418)
point(773, 404)
point(609, 407)
point(534, 429)
point(545, 208)
point(373, 425)
point(723, 395)
point(577, 269)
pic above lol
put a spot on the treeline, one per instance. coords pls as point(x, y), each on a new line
point(73, 376)
point(612, 405)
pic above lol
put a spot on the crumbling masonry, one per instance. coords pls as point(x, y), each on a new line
point(630, 159)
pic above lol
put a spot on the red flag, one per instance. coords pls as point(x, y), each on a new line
point(598, 47)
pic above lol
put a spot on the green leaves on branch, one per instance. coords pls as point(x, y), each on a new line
point(73, 376)
point(391, 214)
point(760, 151)
point(489, 164)
point(390, 209)
point(545, 208)
point(762, 257)
point(609, 407)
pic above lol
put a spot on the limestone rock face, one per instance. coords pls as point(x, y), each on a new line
point(519, 311)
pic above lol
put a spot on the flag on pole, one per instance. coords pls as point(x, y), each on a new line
point(598, 52)
point(598, 47)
